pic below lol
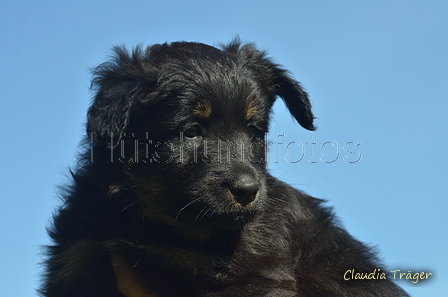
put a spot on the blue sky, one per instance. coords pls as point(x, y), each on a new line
point(377, 73)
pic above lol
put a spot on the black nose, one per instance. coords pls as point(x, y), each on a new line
point(244, 189)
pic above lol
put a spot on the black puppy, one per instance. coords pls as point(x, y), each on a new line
point(171, 196)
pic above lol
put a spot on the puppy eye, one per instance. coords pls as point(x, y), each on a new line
point(193, 131)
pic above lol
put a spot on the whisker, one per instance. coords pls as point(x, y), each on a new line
point(129, 205)
point(200, 213)
point(183, 208)
point(205, 213)
point(275, 199)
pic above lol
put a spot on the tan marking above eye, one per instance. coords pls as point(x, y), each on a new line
point(251, 109)
point(203, 109)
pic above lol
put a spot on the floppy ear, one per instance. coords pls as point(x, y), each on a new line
point(119, 85)
point(275, 80)
point(295, 98)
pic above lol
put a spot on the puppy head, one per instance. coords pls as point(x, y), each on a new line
point(187, 123)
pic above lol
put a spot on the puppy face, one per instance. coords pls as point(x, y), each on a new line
point(187, 123)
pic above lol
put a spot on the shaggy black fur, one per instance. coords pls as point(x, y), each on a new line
point(171, 194)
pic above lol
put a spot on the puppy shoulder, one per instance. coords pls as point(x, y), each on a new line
point(286, 199)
